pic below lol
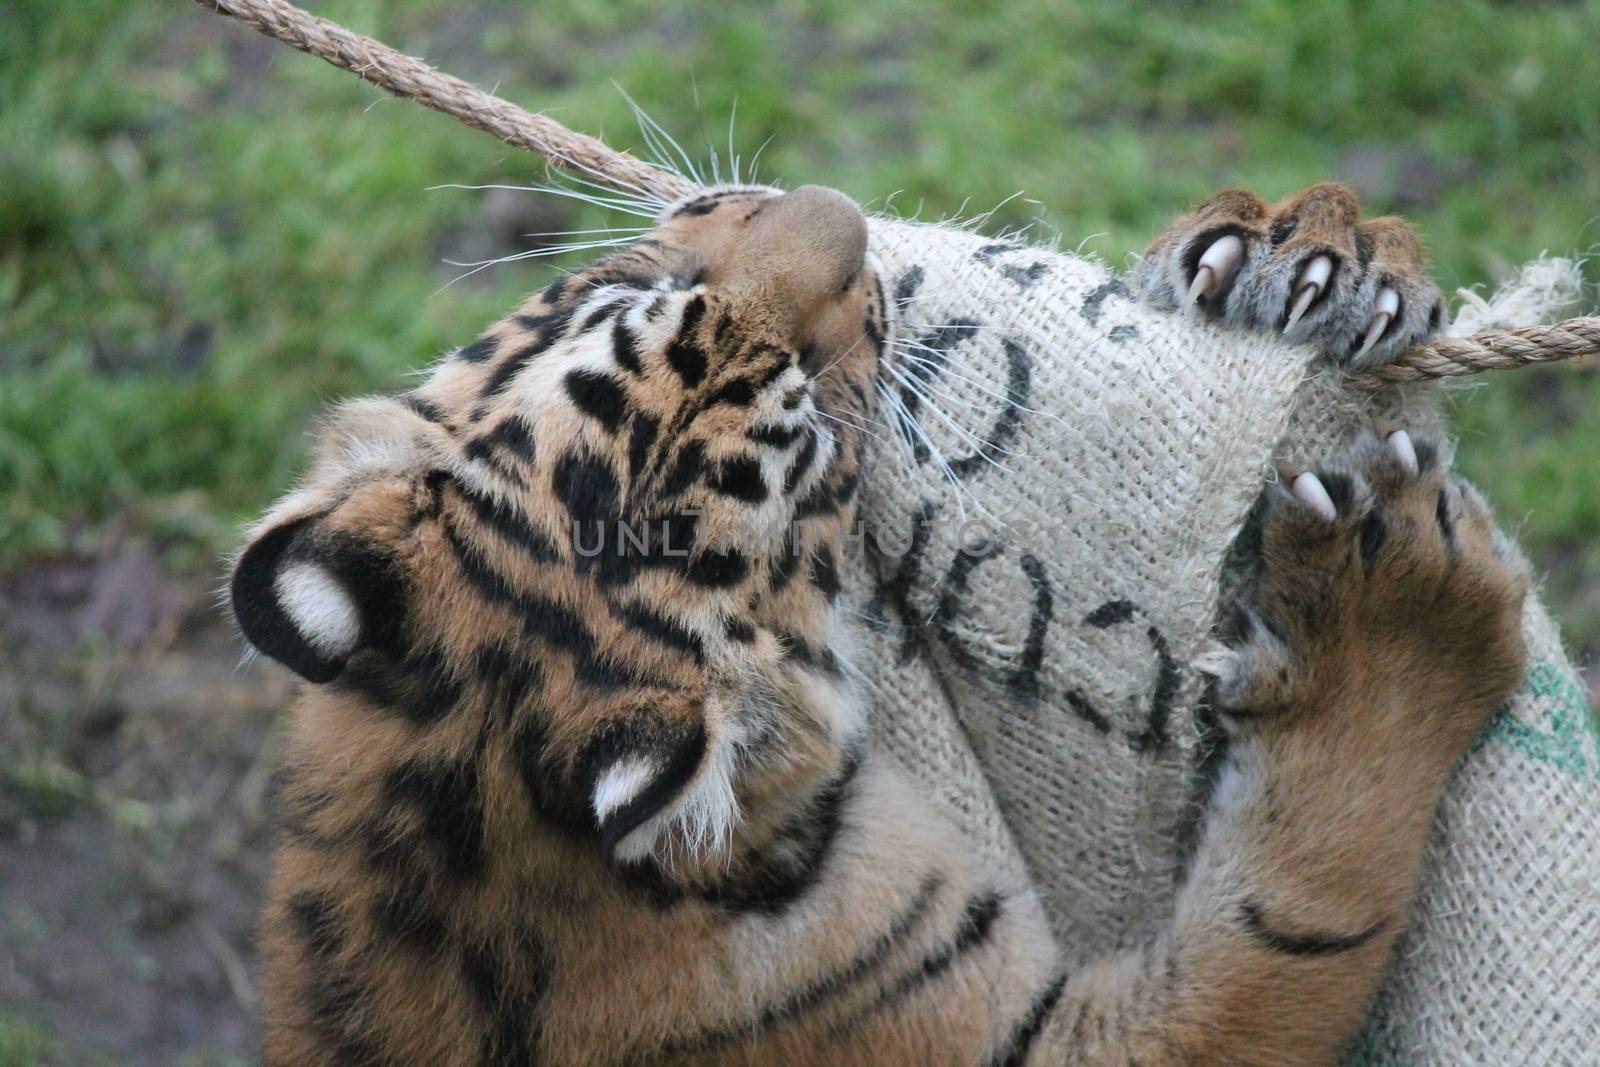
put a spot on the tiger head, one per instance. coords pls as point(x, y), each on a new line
point(591, 562)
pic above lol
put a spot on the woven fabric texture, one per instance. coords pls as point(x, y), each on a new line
point(1058, 475)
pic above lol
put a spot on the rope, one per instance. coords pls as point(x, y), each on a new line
point(406, 76)
point(1451, 357)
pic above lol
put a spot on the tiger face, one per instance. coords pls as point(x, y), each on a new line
point(581, 580)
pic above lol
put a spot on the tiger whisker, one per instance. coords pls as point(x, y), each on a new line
point(965, 433)
point(906, 419)
point(647, 123)
point(625, 206)
point(547, 250)
point(946, 368)
point(939, 390)
point(610, 183)
point(891, 405)
point(597, 229)
point(755, 160)
point(849, 425)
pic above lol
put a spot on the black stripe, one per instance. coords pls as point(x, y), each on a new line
point(741, 479)
point(625, 347)
point(819, 501)
point(668, 631)
point(402, 911)
point(739, 392)
point(507, 521)
point(704, 205)
point(1303, 944)
point(800, 650)
point(1014, 1053)
point(419, 688)
point(514, 434)
point(684, 354)
point(490, 583)
point(781, 360)
point(1441, 513)
point(717, 570)
point(426, 409)
point(601, 313)
point(339, 1011)
point(825, 573)
point(549, 332)
point(513, 1008)
point(691, 460)
point(786, 563)
point(449, 802)
point(599, 396)
point(587, 487)
point(478, 351)
point(1373, 534)
point(775, 436)
point(975, 927)
point(317, 923)
point(847, 489)
point(643, 435)
point(536, 323)
point(802, 463)
point(819, 992)
point(547, 620)
point(510, 680)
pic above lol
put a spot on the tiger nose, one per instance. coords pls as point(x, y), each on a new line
point(835, 220)
point(826, 228)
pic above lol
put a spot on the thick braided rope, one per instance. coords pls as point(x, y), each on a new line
point(409, 77)
point(1450, 357)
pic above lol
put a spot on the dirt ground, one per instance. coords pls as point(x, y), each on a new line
point(135, 761)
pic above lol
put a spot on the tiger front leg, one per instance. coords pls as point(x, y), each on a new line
point(1382, 630)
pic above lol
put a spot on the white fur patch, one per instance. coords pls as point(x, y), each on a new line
point(320, 608)
point(620, 783)
point(700, 820)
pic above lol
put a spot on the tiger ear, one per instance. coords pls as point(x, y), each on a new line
point(657, 776)
point(309, 598)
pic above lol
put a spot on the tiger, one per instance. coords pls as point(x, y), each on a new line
point(581, 769)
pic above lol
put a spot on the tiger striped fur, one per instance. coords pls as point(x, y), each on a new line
point(582, 775)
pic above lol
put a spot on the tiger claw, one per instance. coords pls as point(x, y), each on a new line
point(1215, 272)
point(1204, 280)
point(1384, 309)
point(1400, 444)
point(1309, 490)
point(1309, 285)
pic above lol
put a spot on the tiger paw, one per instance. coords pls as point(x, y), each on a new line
point(1309, 267)
point(1383, 591)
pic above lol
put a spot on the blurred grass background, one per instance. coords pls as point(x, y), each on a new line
point(205, 236)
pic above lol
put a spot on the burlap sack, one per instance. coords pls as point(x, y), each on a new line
point(1059, 474)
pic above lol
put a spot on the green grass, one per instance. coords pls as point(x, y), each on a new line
point(204, 236)
point(24, 1042)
